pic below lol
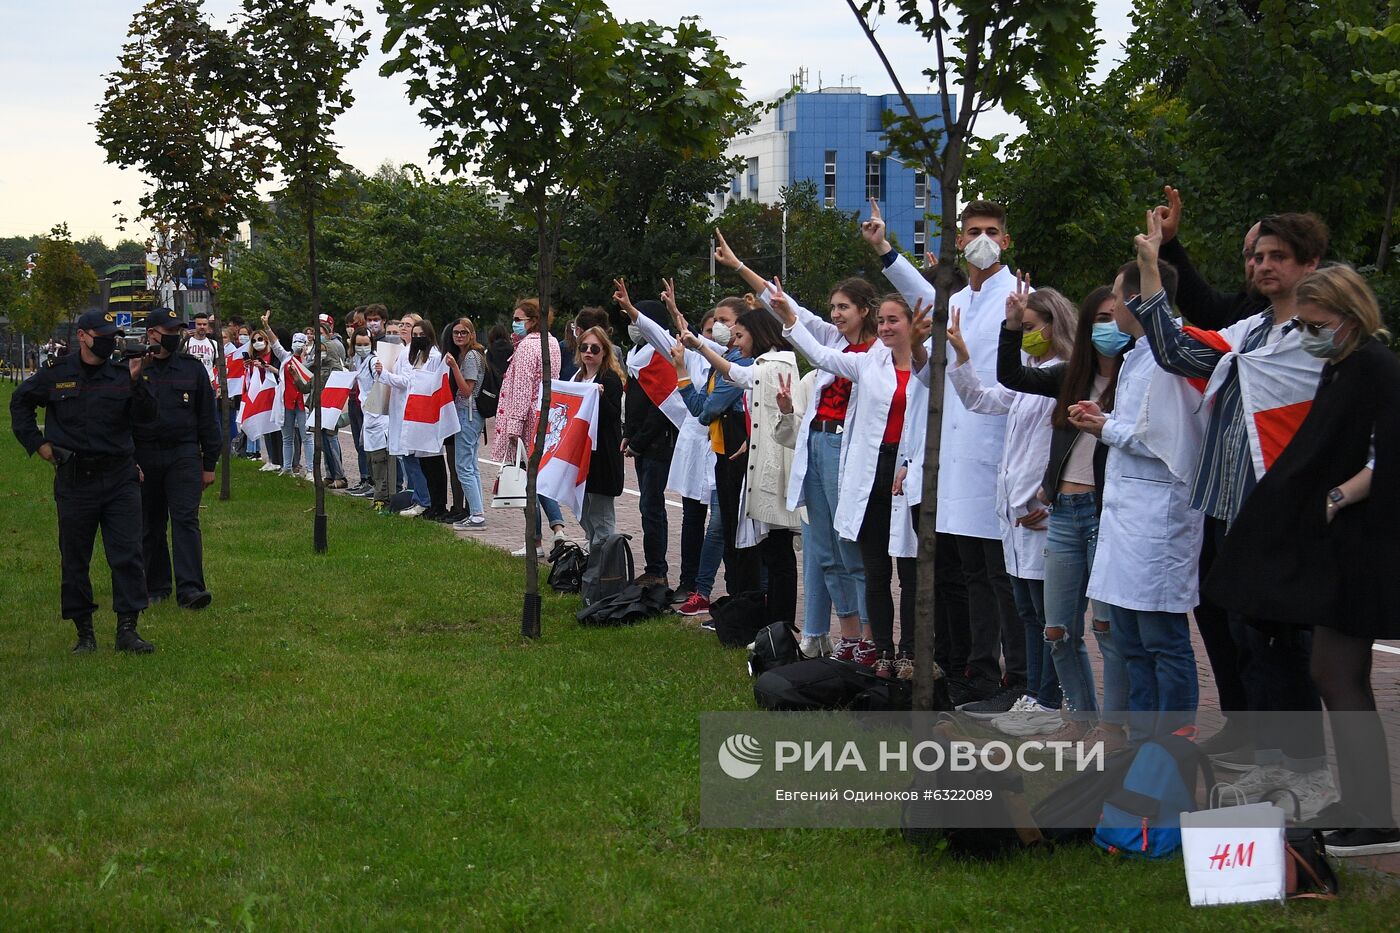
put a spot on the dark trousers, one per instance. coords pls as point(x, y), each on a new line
point(991, 608)
point(1213, 622)
point(230, 423)
point(693, 514)
point(107, 497)
point(729, 475)
point(874, 541)
point(357, 424)
point(170, 494)
point(1277, 678)
point(459, 498)
point(435, 472)
point(743, 569)
point(272, 443)
point(952, 641)
point(651, 483)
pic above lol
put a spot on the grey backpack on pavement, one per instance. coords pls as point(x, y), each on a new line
point(610, 569)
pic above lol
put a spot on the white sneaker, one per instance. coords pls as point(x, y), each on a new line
point(1028, 717)
point(559, 535)
point(1262, 780)
point(518, 552)
point(1315, 791)
point(269, 467)
point(814, 646)
point(413, 510)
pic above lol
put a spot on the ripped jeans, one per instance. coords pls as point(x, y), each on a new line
point(1069, 556)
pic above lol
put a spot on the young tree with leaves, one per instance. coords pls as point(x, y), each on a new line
point(304, 60)
point(60, 283)
point(179, 108)
point(996, 53)
point(525, 93)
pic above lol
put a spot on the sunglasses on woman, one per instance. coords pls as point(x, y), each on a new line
point(590, 348)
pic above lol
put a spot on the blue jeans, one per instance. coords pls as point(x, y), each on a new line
point(413, 472)
point(330, 451)
point(468, 442)
point(1041, 680)
point(293, 431)
point(1162, 687)
point(833, 575)
point(550, 509)
point(713, 551)
point(1069, 554)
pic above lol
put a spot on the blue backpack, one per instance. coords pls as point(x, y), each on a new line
point(1141, 818)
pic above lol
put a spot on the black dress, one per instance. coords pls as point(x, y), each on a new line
point(1281, 560)
point(605, 465)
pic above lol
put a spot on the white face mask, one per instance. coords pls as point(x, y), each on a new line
point(260, 345)
point(362, 352)
point(634, 333)
point(242, 340)
point(983, 252)
point(720, 333)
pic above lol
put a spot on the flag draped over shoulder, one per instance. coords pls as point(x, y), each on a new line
point(429, 416)
point(571, 434)
point(235, 367)
point(335, 395)
point(656, 374)
point(261, 410)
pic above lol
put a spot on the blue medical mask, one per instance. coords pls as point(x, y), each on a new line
point(518, 327)
point(1109, 340)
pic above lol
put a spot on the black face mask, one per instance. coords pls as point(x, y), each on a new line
point(104, 347)
point(170, 343)
point(420, 346)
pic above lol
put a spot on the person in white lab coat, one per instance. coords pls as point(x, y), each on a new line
point(832, 572)
point(881, 460)
point(971, 449)
point(1047, 322)
point(374, 429)
point(422, 355)
point(1145, 567)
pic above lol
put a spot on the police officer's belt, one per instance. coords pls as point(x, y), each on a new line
point(164, 445)
point(91, 464)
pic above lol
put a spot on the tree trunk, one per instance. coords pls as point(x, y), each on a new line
point(1383, 250)
point(225, 487)
point(926, 671)
point(546, 240)
point(319, 541)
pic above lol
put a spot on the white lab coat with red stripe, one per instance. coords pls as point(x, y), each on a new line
point(399, 380)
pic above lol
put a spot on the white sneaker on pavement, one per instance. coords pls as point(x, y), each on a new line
point(1028, 717)
point(814, 646)
point(413, 511)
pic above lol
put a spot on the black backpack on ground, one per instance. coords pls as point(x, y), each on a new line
point(567, 562)
point(1070, 812)
point(739, 618)
point(774, 646)
point(401, 500)
point(488, 400)
point(609, 570)
point(633, 603)
point(825, 683)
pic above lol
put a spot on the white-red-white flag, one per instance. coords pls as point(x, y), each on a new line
point(261, 410)
point(429, 417)
point(335, 395)
point(571, 434)
point(235, 367)
point(656, 374)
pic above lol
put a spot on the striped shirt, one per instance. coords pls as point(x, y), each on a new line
point(1225, 473)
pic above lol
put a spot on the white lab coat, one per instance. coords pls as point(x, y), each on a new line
point(866, 416)
point(767, 495)
point(828, 335)
point(399, 379)
point(1023, 463)
point(692, 472)
point(971, 443)
point(374, 434)
point(1149, 536)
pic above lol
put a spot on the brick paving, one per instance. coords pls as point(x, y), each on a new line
point(505, 530)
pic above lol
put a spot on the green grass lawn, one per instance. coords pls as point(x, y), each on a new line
point(362, 740)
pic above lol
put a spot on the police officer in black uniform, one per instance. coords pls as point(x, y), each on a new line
point(177, 454)
point(92, 403)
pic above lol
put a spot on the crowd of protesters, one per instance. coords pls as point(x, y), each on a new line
point(1155, 455)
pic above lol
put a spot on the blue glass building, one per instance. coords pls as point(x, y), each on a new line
point(835, 139)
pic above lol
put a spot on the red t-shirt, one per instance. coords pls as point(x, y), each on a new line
point(894, 424)
point(292, 399)
point(835, 397)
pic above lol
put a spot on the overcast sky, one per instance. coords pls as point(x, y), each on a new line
point(53, 56)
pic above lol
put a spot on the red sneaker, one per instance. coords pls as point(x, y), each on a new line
point(696, 605)
point(846, 649)
point(865, 653)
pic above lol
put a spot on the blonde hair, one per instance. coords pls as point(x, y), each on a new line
point(1063, 319)
point(1342, 290)
point(609, 355)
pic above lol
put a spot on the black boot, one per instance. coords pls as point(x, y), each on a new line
point(87, 642)
point(129, 640)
